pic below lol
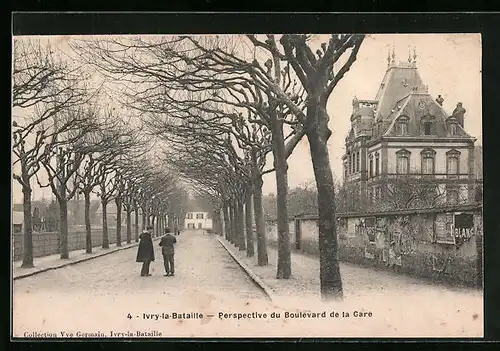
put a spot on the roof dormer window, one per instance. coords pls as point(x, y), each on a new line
point(427, 128)
point(453, 129)
point(428, 125)
point(402, 125)
point(452, 124)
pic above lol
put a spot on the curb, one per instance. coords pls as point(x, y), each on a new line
point(267, 290)
point(75, 262)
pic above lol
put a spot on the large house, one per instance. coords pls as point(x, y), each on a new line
point(404, 138)
point(198, 220)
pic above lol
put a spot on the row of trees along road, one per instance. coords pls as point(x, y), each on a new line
point(67, 141)
point(223, 103)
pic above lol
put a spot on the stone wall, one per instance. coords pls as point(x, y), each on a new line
point(272, 233)
point(419, 243)
point(47, 243)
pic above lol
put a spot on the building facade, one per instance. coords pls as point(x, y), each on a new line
point(403, 146)
point(198, 220)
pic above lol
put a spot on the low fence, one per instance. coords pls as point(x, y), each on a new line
point(47, 243)
point(432, 243)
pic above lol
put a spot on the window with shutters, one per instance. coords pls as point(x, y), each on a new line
point(358, 161)
point(452, 163)
point(428, 161)
point(403, 161)
point(371, 166)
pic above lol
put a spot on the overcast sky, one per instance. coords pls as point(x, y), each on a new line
point(450, 64)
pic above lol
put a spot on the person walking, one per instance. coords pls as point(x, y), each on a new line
point(145, 252)
point(167, 249)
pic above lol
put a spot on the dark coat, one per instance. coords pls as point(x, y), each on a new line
point(167, 244)
point(145, 251)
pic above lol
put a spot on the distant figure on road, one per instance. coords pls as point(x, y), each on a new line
point(145, 252)
point(168, 251)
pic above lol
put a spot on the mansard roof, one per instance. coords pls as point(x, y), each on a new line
point(398, 82)
point(403, 93)
point(418, 107)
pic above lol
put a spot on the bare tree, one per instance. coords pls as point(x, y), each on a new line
point(212, 81)
point(318, 77)
point(62, 158)
point(409, 192)
point(200, 162)
point(315, 73)
point(107, 144)
point(43, 86)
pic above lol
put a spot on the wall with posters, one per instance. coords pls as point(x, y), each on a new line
point(442, 244)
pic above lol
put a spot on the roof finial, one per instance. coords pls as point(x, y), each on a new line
point(409, 54)
point(389, 57)
point(393, 55)
point(414, 56)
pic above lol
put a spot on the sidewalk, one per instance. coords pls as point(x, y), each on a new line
point(399, 305)
point(45, 263)
point(98, 295)
point(359, 283)
point(305, 271)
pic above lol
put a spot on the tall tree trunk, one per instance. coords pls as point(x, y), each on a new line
point(118, 203)
point(227, 223)
point(28, 228)
point(284, 268)
point(136, 212)
point(241, 225)
point(171, 221)
point(105, 237)
point(236, 238)
point(232, 223)
point(160, 224)
point(88, 228)
point(129, 226)
point(144, 221)
point(249, 224)
point(221, 224)
point(218, 215)
point(155, 229)
point(63, 216)
point(77, 215)
point(260, 225)
point(317, 135)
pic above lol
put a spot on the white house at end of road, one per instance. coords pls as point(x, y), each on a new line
point(197, 220)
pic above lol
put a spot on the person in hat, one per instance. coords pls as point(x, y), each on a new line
point(145, 252)
point(167, 249)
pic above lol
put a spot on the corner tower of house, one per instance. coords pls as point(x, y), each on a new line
point(400, 123)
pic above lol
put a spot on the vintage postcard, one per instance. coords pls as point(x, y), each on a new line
point(247, 185)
